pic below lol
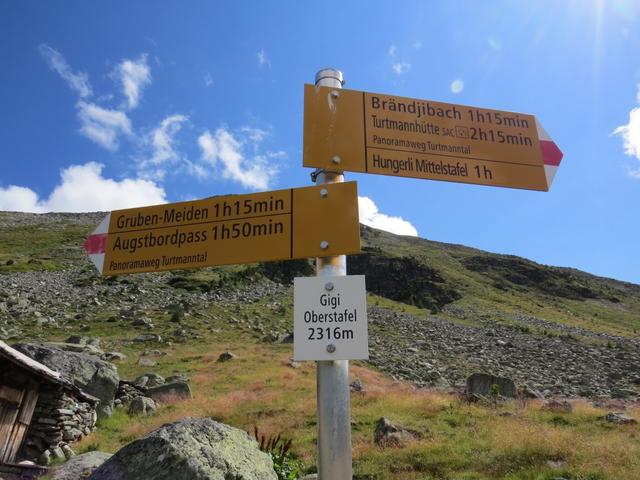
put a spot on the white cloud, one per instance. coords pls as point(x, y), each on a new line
point(401, 68)
point(371, 216)
point(253, 172)
point(77, 81)
point(263, 59)
point(102, 125)
point(417, 45)
point(457, 86)
point(161, 143)
point(392, 51)
point(208, 80)
point(630, 134)
point(18, 199)
point(83, 188)
point(256, 135)
point(134, 76)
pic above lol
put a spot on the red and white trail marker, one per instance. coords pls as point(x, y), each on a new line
point(96, 244)
point(551, 154)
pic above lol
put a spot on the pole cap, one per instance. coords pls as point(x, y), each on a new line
point(330, 73)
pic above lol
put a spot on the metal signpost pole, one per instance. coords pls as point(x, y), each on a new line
point(334, 409)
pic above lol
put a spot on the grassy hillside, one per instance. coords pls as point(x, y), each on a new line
point(437, 313)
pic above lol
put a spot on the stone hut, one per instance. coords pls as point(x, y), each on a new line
point(40, 411)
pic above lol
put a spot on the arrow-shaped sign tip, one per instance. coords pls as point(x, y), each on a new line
point(96, 243)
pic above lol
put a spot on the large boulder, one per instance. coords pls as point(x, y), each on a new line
point(481, 385)
point(79, 466)
point(142, 406)
point(169, 392)
point(190, 449)
point(88, 372)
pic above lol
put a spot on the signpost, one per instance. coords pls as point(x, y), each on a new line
point(277, 225)
point(355, 131)
point(330, 318)
point(344, 130)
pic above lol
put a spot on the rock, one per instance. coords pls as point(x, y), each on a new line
point(142, 406)
point(89, 373)
point(80, 340)
point(293, 364)
point(79, 466)
point(558, 406)
point(190, 449)
point(68, 452)
point(149, 380)
point(178, 377)
point(57, 453)
point(480, 384)
point(146, 362)
point(387, 434)
point(114, 356)
point(619, 418)
point(170, 392)
point(287, 338)
point(526, 391)
point(357, 386)
point(143, 322)
point(45, 458)
point(148, 337)
point(226, 356)
point(78, 348)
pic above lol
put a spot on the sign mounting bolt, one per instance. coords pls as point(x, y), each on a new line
point(336, 159)
point(328, 286)
point(324, 193)
point(324, 244)
point(335, 93)
point(331, 348)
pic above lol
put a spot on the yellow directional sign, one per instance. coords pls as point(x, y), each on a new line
point(279, 225)
point(349, 130)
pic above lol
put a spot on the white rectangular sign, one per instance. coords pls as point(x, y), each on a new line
point(330, 318)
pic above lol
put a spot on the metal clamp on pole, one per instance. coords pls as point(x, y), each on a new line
point(334, 407)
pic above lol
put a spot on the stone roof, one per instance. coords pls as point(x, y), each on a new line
point(42, 371)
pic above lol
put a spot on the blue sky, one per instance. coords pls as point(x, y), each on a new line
point(109, 105)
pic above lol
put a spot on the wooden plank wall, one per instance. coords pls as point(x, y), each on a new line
point(8, 416)
point(14, 422)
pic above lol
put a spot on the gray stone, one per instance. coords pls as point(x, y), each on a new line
point(79, 348)
point(178, 377)
point(89, 373)
point(149, 380)
point(146, 362)
point(191, 449)
point(68, 452)
point(114, 356)
point(226, 356)
point(480, 384)
point(169, 392)
point(619, 418)
point(142, 322)
point(357, 386)
point(45, 458)
point(387, 434)
point(142, 406)
point(557, 406)
point(57, 453)
point(71, 435)
point(148, 337)
point(80, 340)
point(79, 466)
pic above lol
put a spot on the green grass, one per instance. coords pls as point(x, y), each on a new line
point(32, 247)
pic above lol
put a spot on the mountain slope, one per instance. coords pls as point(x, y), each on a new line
point(438, 311)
